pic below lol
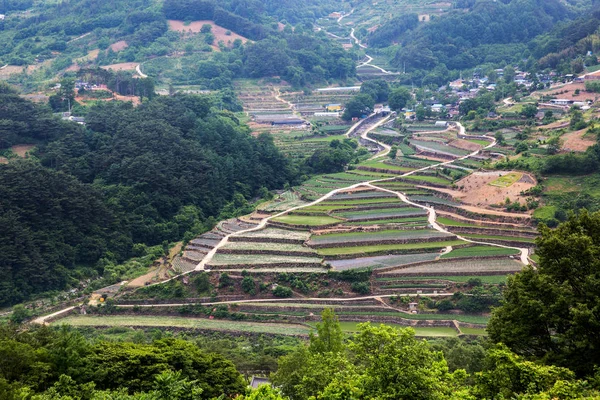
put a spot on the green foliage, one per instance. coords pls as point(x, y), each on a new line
point(282, 291)
point(249, 285)
point(352, 275)
point(359, 105)
point(361, 287)
point(19, 314)
point(551, 312)
point(399, 98)
point(378, 89)
point(153, 173)
point(329, 334)
point(202, 283)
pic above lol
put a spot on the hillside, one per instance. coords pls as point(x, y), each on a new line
point(299, 200)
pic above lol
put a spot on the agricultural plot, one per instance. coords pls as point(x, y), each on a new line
point(436, 180)
point(473, 331)
point(267, 234)
point(306, 220)
point(373, 215)
point(285, 201)
point(507, 180)
point(388, 248)
point(488, 279)
point(190, 323)
point(438, 147)
point(481, 251)
point(483, 238)
point(412, 222)
point(384, 166)
point(267, 247)
point(460, 267)
point(379, 236)
point(433, 200)
point(362, 194)
point(471, 319)
point(221, 259)
point(381, 261)
point(434, 331)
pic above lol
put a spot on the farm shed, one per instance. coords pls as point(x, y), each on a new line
point(333, 107)
point(443, 124)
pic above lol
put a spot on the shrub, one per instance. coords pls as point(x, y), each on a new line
point(282, 291)
point(202, 283)
point(248, 285)
point(225, 280)
point(474, 282)
point(361, 287)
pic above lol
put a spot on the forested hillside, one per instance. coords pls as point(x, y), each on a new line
point(134, 177)
point(55, 39)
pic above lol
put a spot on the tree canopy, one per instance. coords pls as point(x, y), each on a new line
point(552, 313)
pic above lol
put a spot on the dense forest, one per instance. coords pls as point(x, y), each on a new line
point(534, 34)
point(133, 177)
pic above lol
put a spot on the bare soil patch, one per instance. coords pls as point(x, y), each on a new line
point(3, 160)
point(465, 145)
point(568, 92)
point(474, 190)
point(574, 141)
point(219, 32)
point(22, 149)
point(129, 66)
point(10, 69)
point(118, 46)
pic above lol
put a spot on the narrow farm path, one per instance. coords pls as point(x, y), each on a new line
point(369, 58)
point(44, 319)
point(139, 71)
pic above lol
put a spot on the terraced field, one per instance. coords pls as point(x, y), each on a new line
point(501, 266)
point(401, 236)
point(359, 226)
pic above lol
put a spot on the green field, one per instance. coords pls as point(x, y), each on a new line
point(470, 319)
point(490, 279)
point(473, 331)
point(386, 247)
point(412, 221)
point(428, 179)
point(506, 180)
point(181, 322)
point(307, 220)
point(479, 141)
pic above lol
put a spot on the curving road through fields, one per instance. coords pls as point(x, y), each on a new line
point(432, 216)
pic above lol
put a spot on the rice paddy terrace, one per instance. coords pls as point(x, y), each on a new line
point(400, 218)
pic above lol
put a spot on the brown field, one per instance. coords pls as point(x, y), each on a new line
point(218, 31)
point(22, 149)
point(568, 92)
point(574, 141)
point(3, 160)
point(474, 190)
point(128, 66)
point(10, 69)
point(118, 46)
point(465, 145)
